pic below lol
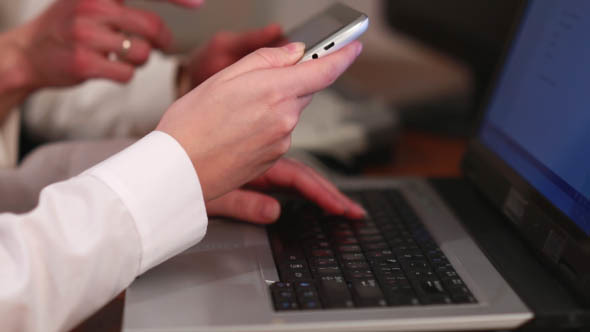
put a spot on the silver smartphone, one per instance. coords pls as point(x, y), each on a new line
point(329, 31)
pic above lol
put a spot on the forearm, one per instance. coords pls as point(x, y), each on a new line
point(16, 81)
point(56, 242)
point(90, 236)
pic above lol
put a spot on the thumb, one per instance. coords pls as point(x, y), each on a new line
point(267, 58)
point(245, 205)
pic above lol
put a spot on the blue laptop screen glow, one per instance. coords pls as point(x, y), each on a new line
point(538, 120)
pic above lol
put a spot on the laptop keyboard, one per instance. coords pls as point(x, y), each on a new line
point(389, 259)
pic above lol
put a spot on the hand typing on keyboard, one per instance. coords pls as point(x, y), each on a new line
point(249, 204)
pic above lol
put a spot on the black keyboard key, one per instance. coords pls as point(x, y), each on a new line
point(367, 231)
point(334, 292)
point(294, 276)
point(314, 244)
point(295, 266)
point(449, 274)
point(327, 271)
point(291, 256)
point(358, 274)
point(432, 287)
point(460, 294)
point(375, 246)
point(431, 292)
point(453, 282)
point(405, 248)
point(356, 224)
point(321, 253)
point(459, 290)
point(325, 261)
point(286, 305)
point(366, 293)
point(294, 271)
point(346, 240)
point(384, 272)
point(434, 252)
point(380, 254)
point(279, 285)
point(384, 262)
point(386, 226)
point(353, 257)
point(310, 304)
point(410, 257)
point(303, 285)
point(308, 298)
point(309, 293)
point(316, 237)
point(394, 282)
point(420, 275)
point(370, 238)
point(400, 297)
point(355, 265)
point(395, 240)
point(341, 233)
point(441, 269)
point(417, 269)
point(283, 296)
point(349, 248)
point(313, 230)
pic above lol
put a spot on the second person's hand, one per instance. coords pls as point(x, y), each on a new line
point(223, 50)
point(74, 40)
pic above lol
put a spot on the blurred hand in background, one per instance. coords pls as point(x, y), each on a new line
point(75, 40)
point(223, 50)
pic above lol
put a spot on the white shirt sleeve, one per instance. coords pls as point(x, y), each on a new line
point(90, 236)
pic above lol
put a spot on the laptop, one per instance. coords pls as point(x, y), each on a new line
point(411, 265)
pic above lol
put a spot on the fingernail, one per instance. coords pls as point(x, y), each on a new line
point(194, 3)
point(360, 210)
point(364, 212)
point(295, 47)
point(271, 211)
point(359, 49)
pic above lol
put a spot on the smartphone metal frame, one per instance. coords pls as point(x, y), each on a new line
point(340, 38)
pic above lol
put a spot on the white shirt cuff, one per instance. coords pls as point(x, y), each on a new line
point(157, 182)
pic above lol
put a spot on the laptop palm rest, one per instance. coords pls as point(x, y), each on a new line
point(220, 277)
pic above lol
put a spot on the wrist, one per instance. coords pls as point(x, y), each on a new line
point(16, 73)
point(16, 79)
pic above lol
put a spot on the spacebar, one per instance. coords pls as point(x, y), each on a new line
point(334, 292)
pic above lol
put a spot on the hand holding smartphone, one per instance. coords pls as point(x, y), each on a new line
point(329, 31)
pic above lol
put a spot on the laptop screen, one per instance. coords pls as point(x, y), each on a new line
point(538, 118)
